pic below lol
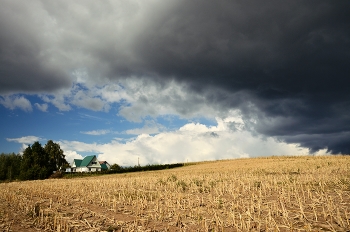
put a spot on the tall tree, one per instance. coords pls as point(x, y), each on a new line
point(34, 163)
point(56, 157)
point(27, 162)
point(39, 162)
point(10, 166)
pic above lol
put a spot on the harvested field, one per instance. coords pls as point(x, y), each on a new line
point(260, 194)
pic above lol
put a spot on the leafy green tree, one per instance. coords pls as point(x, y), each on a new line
point(40, 157)
point(56, 157)
point(3, 166)
point(115, 167)
point(39, 162)
point(34, 157)
point(27, 161)
point(10, 166)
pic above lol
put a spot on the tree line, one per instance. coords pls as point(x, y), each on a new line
point(36, 162)
point(115, 168)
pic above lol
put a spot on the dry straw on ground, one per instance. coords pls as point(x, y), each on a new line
point(261, 194)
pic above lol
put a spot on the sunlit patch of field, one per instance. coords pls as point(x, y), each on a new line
point(260, 194)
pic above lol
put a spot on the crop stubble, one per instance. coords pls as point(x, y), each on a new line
point(260, 194)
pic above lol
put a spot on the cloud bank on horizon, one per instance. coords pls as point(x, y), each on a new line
point(281, 69)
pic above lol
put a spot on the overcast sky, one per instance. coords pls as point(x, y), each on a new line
point(176, 81)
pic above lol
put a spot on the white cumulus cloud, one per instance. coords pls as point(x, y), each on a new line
point(192, 142)
point(13, 102)
point(42, 107)
point(25, 139)
point(71, 155)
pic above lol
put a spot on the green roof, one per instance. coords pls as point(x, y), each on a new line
point(77, 162)
point(104, 166)
point(85, 162)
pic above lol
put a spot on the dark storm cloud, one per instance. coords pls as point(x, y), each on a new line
point(284, 64)
point(25, 60)
point(291, 59)
point(337, 142)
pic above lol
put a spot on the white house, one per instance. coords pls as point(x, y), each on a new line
point(88, 164)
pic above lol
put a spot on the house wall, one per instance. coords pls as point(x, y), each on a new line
point(88, 169)
point(82, 169)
